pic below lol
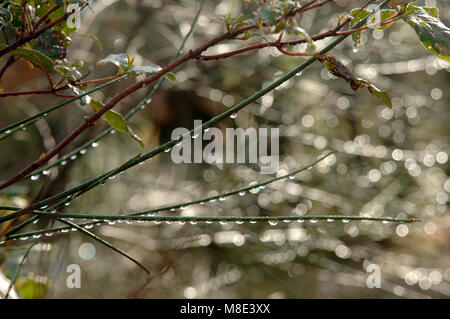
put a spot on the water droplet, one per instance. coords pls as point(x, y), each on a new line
point(129, 222)
point(148, 101)
point(300, 221)
point(95, 144)
point(262, 186)
point(273, 222)
point(310, 167)
point(169, 222)
point(253, 222)
point(24, 238)
point(178, 144)
point(63, 163)
point(37, 236)
point(112, 177)
point(386, 222)
point(202, 203)
point(46, 172)
point(355, 49)
point(242, 193)
point(254, 190)
point(299, 73)
point(48, 234)
point(142, 106)
point(239, 222)
point(292, 177)
point(313, 221)
point(73, 157)
point(212, 200)
point(195, 135)
point(43, 207)
point(286, 221)
point(181, 223)
point(345, 221)
point(8, 131)
point(233, 116)
point(83, 151)
point(207, 129)
point(222, 199)
point(222, 222)
point(157, 222)
point(34, 177)
point(112, 132)
point(330, 220)
point(172, 209)
point(64, 230)
point(168, 150)
point(66, 203)
point(88, 226)
point(183, 207)
point(193, 222)
point(112, 222)
point(35, 222)
point(209, 222)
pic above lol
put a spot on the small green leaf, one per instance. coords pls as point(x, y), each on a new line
point(34, 57)
point(116, 121)
point(338, 69)
point(382, 95)
point(434, 35)
point(357, 16)
point(382, 16)
point(171, 76)
point(135, 137)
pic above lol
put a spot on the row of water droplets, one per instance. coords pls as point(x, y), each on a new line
point(99, 222)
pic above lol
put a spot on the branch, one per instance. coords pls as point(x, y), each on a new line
point(89, 121)
point(193, 53)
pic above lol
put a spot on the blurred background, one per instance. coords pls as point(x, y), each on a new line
point(390, 162)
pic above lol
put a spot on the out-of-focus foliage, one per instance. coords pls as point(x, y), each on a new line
point(390, 161)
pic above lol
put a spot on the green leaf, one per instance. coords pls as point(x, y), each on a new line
point(171, 76)
point(117, 121)
point(338, 69)
point(34, 57)
point(434, 35)
point(383, 15)
point(357, 16)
